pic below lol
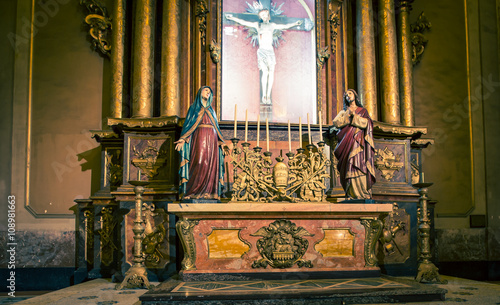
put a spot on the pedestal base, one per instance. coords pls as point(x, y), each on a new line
point(326, 291)
point(136, 277)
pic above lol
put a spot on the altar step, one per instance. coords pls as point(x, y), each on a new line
point(310, 291)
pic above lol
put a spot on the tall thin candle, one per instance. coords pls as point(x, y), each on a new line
point(320, 128)
point(235, 121)
point(258, 129)
point(246, 126)
point(309, 128)
point(300, 131)
point(289, 138)
point(267, 135)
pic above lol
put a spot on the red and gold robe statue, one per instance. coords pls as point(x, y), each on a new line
point(355, 151)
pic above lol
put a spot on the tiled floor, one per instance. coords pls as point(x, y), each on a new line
point(102, 292)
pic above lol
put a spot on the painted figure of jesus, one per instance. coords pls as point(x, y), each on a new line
point(265, 54)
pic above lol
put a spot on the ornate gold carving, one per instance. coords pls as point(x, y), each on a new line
point(201, 13)
point(282, 245)
point(373, 228)
point(387, 163)
point(323, 56)
point(386, 128)
point(106, 233)
point(144, 123)
point(418, 39)
point(154, 235)
point(334, 19)
point(215, 50)
point(226, 243)
point(395, 224)
point(301, 180)
point(150, 159)
point(114, 167)
point(89, 235)
point(100, 24)
point(335, 243)
point(185, 229)
point(415, 173)
point(422, 143)
point(103, 134)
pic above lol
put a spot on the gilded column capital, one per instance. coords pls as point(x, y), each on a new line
point(404, 5)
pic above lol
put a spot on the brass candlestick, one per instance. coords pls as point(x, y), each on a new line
point(137, 276)
point(427, 271)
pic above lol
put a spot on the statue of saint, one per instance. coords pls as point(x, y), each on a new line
point(202, 150)
point(265, 54)
point(355, 150)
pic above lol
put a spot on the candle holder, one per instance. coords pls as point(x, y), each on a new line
point(300, 178)
point(427, 271)
point(137, 276)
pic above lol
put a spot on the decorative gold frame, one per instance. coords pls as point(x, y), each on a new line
point(322, 32)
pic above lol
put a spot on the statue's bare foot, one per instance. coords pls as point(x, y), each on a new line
point(266, 100)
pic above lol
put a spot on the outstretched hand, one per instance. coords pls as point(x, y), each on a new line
point(179, 144)
point(225, 150)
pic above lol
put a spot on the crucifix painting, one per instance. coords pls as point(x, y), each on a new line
point(268, 59)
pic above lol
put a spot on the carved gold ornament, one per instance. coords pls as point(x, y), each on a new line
point(387, 163)
point(215, 50)
point(185, 229)
point(323, 56)
point(100, 25)
point(418, 39)
point(154, 235)
point(334, 19)
point(201, 13)
point(302, 178)
point(149, 160)
point(106, 233)
point(282, 245)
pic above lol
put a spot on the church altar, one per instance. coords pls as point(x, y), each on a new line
point(254, 240)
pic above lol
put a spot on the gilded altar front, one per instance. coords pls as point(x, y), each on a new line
point(278, 240)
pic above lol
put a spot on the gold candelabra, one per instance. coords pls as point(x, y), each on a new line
point(301, 178)
point(427, 271)
point(137, 276)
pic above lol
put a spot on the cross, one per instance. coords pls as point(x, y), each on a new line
point(266, 4)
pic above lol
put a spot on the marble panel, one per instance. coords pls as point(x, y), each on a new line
point(249, 227)
point(226, 243)
point(40, 249)
point(461, 245)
